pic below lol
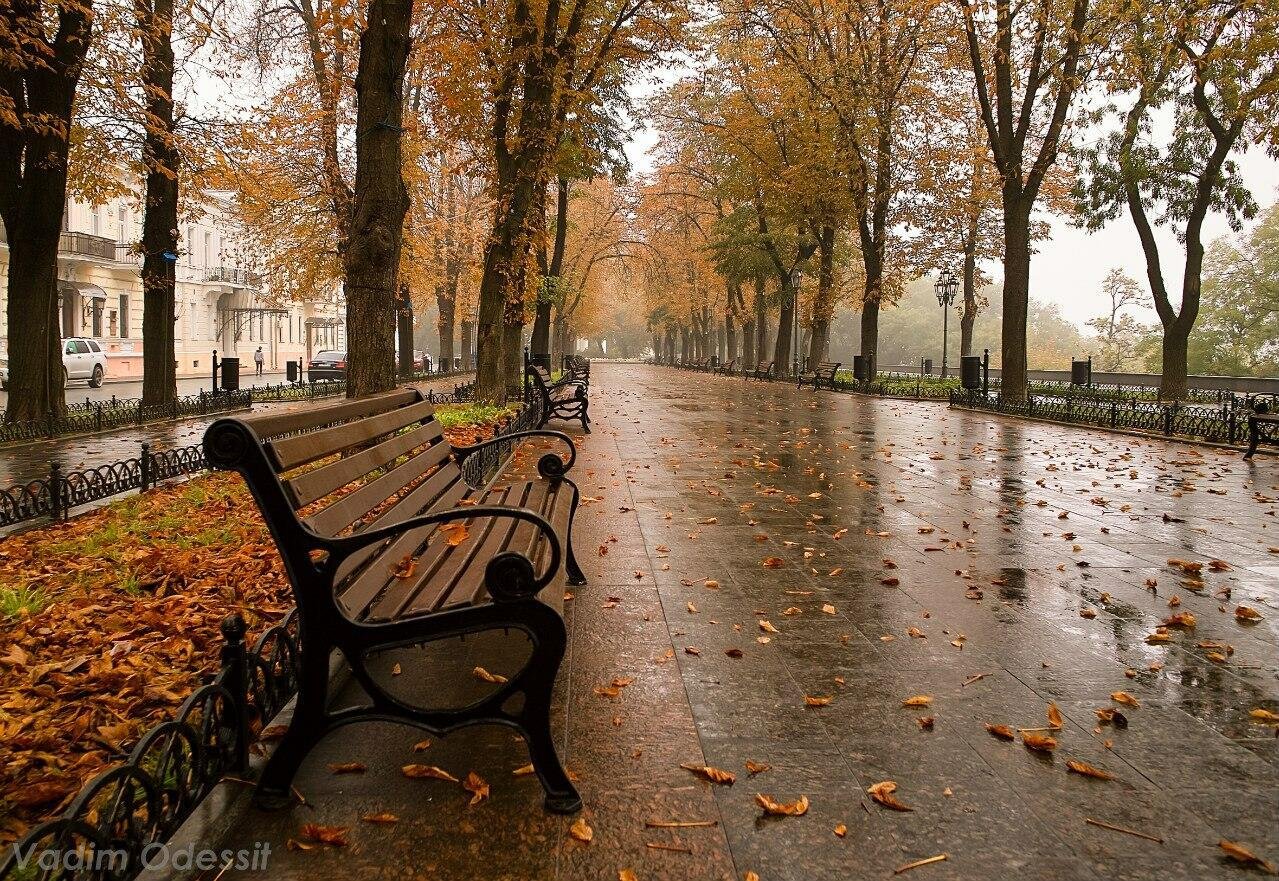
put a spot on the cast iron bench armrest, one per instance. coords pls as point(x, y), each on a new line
point(342, 548)
point(567, 380)
point(543, 465)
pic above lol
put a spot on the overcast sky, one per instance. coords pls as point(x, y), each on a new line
point(1069, 267)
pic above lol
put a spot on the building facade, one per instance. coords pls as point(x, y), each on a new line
point(221, 302)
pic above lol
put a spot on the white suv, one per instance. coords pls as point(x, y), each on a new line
point(82, 358)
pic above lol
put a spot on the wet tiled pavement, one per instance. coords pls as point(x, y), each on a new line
point(898, 550)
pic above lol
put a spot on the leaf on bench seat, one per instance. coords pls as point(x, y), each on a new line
point(405, 568)
point(486, 676)
point(428, 772)
point(455, 533)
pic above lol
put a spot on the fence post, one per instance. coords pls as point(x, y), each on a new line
point(1230, 421)
point(145, 459)
point(1114, 414)
point(97, 417)
point(1168, 420)
point(235, 668)
point(55, 489)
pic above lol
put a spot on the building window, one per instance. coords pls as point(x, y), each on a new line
point(212, 324)
point(97, 315)
point(113, 324)
point(208, 248)
point(191, 246)
point(97, 221)
point(124, 224)
point(124, 316)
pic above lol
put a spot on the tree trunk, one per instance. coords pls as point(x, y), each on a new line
point(761, 321)
point(541, 341)
point(969, 316)
point(468, 333)
point(381, 200)
point(824, 300)
point(404, 329)
point(1013, 381)
point(40, 82)
point(447, 325)
point(785, 329)
point(1172, 381)
point(162, 161)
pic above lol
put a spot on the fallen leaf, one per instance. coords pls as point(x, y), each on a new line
point(384, 818)
point(405, 568)
point(772, 562)
point(1243, 855)
point(1039, 742)
point(347, 768)
point(334, 836)
point(455, 533)
point(782, 809)
point(919, 700)
point(841, 830)
point(767, 627)
point(481, 673)
point(714, 775)
point(430, 772)
point(1054, 716)
point(476, 785)
point(1088, 770)
point(819, 701)
point(1247, 613)
point(581, 831)
point(1123, 697)
point(882, 792)
point(1003, 732)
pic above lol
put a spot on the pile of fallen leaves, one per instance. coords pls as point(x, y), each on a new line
point(133, 596)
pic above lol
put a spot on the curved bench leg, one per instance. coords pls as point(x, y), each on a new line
point(586, 419)
point(571, 568)
point(306, 728)
point(535, 718)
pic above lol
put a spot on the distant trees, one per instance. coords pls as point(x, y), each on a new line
point(1118, 332)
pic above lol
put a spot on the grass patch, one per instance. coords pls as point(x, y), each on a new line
point(18, 602)
point(473, 414)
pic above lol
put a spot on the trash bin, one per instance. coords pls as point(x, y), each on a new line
point(970, 372)
point(1081, 372)
point(928, 367)
point(293, 370)
point(861, 367)
point(230, 374)
point(457, 363)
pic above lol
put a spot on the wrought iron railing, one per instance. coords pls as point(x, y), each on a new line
point(55, 495)
point(89, 417)
point(113, 827)
point(1227, 424)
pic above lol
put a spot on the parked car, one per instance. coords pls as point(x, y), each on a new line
point(82, 359)
point(327, 366)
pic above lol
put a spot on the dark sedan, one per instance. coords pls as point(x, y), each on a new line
point(327, 367)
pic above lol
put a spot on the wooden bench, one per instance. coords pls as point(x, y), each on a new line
point(1263, 427)
point(763, 370)
point(388, 546)
point(822, 373)
point(579, 368)
point(728, 368)
point(562, 399)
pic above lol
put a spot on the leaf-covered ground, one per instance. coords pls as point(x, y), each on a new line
point(111, 619)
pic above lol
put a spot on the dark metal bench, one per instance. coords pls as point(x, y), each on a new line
point(562, 399)
point(822, 373)
point(763, 370)
point(1263, 427)
point(366, 502)
point(704, 364)
point(578, 368)
point(728, 368)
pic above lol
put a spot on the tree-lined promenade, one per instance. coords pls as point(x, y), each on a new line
point(467, 159)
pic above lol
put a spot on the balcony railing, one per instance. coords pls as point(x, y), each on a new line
point(87, 245)
point(233, 275)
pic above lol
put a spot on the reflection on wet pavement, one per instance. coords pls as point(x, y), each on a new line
point(895, 550)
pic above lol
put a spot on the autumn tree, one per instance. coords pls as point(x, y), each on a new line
point(515, 75)
point(1118, 332)
point(1214, 66)
point(44, 47)
point(1028, 63)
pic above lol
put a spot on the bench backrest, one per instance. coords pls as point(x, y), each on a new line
point(827, 367)
point(764, 367)
point(541, 378)
point(343, 467)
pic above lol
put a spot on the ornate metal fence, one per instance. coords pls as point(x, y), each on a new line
point(113, 827)
point(55, 495)
point(1226, 424)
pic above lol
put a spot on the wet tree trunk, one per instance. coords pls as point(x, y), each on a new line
point(468, 357)
point(761, 321)
point(40, 82)
point(162, 161)
point(1013, 361)
point(969, 316)
point(404, 330)
point(381, 200)
point(541, 341)
point(824, 301)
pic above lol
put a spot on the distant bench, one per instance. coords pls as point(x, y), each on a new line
point(1262, 427)
point(822, 373)
point(565, 398)
point(386, 545)
point(763, 370)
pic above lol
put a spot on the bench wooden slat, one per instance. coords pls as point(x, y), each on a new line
point(269, 425)
point(319, 482)
point(354, 505)
point(291, 452)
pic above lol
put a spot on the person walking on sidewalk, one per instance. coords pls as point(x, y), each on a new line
point(257, 359)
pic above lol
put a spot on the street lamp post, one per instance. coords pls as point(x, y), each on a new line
point(946, 288)
point(794, 286)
